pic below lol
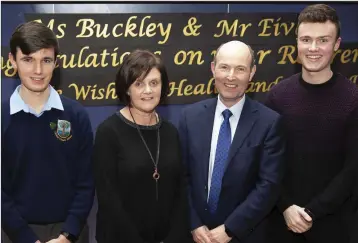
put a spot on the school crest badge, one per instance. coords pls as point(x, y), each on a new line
point(63, 131)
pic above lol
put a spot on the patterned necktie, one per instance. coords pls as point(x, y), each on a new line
point(222, 151)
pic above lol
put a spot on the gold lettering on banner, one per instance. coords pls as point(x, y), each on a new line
point(67, 63)
point(114, 30)
point(93, 92)
point(265, 23)
point(100, 54)
point(199, 89)
point(191, 28)
point(181, 57)
point(130, 27)
point(60, 27)
point(256, 86)
point(91, 60)
point(172, 88)
point(111, 91)
point(213, 53)
point(268, 24)
point(150, 30)
point(104, 54)
point(123, 56)
point(262, 54)
point(88, 60)
point(89, 28)
point(211, 87)
point(164, 32)
point(261, 86)
point(225, 29)
point(288, 51)
point(7, 68)
point(185, 89)
point(100, 93)
point(346, 56)
point(80, 92)
point(86, 26)
point(141, 33)
point(188, 90)
point(114, 58)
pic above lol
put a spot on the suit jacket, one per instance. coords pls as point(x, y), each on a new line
point(254, 168)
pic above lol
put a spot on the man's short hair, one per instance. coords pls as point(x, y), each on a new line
point(31, 37)
point(252, 52)
point(320, 13)
point(135, 66)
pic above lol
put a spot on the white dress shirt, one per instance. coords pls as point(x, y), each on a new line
point(17, 104)
point(218, 120)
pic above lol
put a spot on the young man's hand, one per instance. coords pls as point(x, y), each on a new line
point(297, 219)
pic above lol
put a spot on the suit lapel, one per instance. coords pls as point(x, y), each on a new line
point(206, 117)
point(246, 122)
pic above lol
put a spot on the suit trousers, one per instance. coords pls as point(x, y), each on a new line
point(48, 232)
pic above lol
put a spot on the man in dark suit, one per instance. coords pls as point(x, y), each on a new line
point(233, 150)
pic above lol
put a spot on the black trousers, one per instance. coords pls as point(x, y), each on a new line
point(330, 229)
point(50, 231)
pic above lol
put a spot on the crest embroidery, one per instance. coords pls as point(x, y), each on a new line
point(63, 131)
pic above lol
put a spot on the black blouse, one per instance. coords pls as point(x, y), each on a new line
point(128, 209)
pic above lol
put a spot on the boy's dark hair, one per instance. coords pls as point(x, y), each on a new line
point(31, 37)
point(137, 65)
point(320, 13)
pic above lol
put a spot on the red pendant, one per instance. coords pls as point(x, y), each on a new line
point(156, 175)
